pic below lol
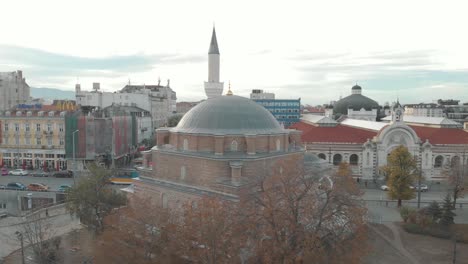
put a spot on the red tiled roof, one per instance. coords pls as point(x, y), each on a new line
point(441, 135)
point(337, 134)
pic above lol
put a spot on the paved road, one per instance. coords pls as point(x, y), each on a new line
point(52, 182)
point(375, 194)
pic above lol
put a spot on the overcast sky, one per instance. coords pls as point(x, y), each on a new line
point(316, 50)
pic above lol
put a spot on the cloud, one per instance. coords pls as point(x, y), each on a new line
point(43, 62)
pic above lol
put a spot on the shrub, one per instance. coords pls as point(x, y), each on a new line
point(407, 213)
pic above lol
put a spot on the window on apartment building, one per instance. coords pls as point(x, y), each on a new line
point(6, 140)
point(28, 141)
point(17, 140)
point(62, 142)
point(61, 127)
point(6, 126)
point(38, 141)
point(2, 205)
point(49, 141)
point(17, 127)
point(49, 127)
point(38, 127)
point(26, 126)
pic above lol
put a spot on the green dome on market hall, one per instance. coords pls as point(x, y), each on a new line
point(355, 101)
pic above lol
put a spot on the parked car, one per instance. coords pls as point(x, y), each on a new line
point(38, 187)
point(4, 171)
point(384, 188)
point(2, 187)
point(63, 174)
point(40, 174)
point(19, 172)
point(63, 188)
point(422, 187)
point(16, 186)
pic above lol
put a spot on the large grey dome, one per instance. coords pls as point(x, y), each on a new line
point(229, 115)
point(355, 102)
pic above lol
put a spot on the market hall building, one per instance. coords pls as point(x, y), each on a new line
point(437, 143)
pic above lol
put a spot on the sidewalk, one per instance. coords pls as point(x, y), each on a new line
point(60, 220)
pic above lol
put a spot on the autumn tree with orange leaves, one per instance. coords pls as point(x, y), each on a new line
point(298, 219)
point(286, 218)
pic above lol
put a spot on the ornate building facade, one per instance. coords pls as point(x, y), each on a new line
point(33, 138)
point(365, 145)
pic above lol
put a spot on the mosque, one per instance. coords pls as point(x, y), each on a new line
point(219, 148)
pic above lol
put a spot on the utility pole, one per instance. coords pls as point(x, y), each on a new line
point(74, 160)
point(20, 237)
point(454, 256)
point(419, 181)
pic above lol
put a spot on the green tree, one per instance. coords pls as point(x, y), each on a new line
point(91, 198)
point(434, 211)
point(448, 215)
point(401, 167)
point(174, 120)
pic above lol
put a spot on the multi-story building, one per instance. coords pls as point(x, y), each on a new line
point(184, 107)
point(33, 137)
point(141, 118)
point(286, 111)
point(97, 136)
point(159, 100)
point(422, 109)
point(259, 94)
point(13, 90)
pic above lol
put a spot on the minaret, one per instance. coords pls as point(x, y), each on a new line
point(213, 87)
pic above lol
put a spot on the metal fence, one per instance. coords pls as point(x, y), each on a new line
point(394, 203)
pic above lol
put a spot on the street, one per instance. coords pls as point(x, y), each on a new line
point(52, 182)
point(377, 194)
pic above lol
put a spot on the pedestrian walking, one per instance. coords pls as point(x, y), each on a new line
point(365, 183)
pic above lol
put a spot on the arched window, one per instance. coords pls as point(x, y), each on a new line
point(337, 158)
point(185, 144)
point(455, 162)
point(368, 158)
point(234, 145)
point(278, 145)
point(439, 160)
point(353, 159)
point(322, 156)
point(183, 172)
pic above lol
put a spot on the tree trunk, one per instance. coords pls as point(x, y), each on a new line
point(399, 203)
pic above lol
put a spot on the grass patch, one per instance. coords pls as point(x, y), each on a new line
point(439, 231)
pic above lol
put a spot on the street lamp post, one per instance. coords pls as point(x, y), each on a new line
point(20, 237)
point(74, 160)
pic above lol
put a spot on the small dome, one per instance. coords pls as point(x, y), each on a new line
point(356, 87)
point(229, 115)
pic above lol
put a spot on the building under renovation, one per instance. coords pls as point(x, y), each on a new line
point(109, 139)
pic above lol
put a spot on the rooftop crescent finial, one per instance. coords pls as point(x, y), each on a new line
point(229, 93)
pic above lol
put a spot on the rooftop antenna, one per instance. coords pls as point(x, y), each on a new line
point(159, 80)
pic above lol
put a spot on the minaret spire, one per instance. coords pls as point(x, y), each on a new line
point(213, 87)
point(214, 43)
